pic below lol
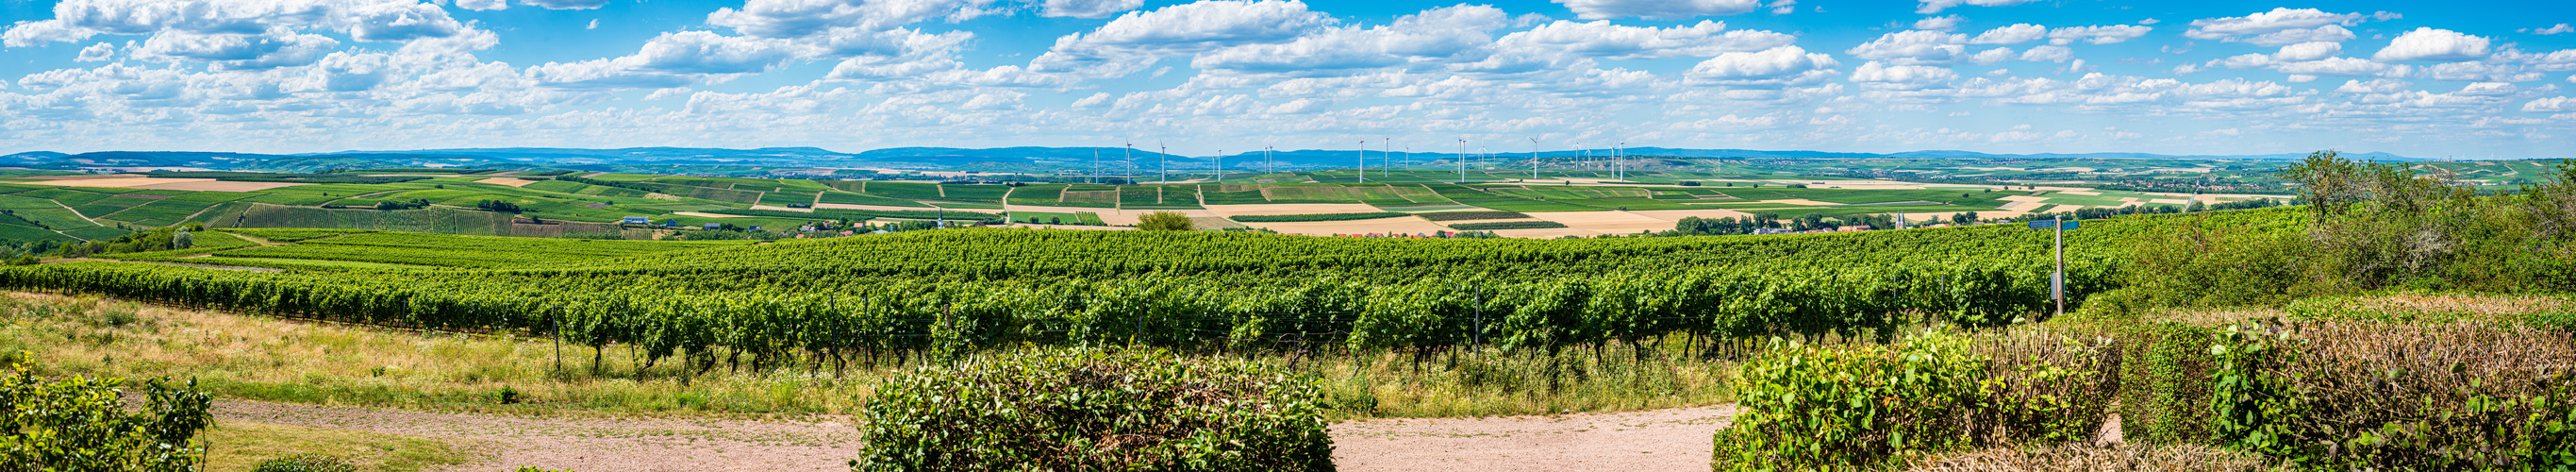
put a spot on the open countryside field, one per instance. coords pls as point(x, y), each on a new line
point(77, 208)
point(539, 302)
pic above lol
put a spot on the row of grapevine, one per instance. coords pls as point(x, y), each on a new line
point(696, 318)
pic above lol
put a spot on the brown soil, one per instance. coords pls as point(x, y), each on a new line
point(1663, 440)
point(1675, 439)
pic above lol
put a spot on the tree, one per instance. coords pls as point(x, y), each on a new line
point(182, 240)
point(1164, 221)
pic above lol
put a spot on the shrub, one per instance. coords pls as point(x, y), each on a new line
point(2364, 395)
point(306, 463)
point(1873, 406)
point(1083, 409)
point(1164, 221)
point(81, 423)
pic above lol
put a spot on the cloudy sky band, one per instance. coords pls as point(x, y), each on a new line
point(1986, 75)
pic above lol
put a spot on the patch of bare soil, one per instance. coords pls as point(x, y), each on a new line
point(588, 444)
point(1674, 439)
point(1664, 440)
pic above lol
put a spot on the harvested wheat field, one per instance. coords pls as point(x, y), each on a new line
point(1677, 215)
point(1290, 209)
point(1400, 225)
point(135, 182)
point(1607, 222)
point(506, 181)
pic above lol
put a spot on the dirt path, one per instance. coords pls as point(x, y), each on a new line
point(586, 444)
point(1676, 439)
point(1660, 440)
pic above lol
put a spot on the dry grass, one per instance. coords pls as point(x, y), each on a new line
point(260, 358)
point(277, 360)
point(237, 445)
point(1479, 383)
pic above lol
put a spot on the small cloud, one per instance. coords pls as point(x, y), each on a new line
point(2562, 28)
point(594, 24)
point(2149, 21)
point(96, 52)
point(1938, 23)
point(1784, 7)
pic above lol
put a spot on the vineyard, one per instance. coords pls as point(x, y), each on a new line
point(958, 291)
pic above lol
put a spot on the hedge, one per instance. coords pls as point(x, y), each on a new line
point(1085, 409)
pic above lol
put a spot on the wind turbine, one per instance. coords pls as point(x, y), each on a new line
point(1220, 167)
point(1166, 159)
point(1620, 156)
point(1095, 165)
point(1363, 161)
point(1131, 163)
point(1462, 161)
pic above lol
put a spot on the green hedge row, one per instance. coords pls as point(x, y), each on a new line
point(2318, 394)
point(1086, 409)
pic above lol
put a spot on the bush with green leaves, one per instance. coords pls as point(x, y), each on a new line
point(81, 424)
point(1164, 221)
point(306, 463)
point(1876, 406)
point(2409, 396)
point(1096, 409)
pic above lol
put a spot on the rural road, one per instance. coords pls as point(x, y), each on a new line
point(1674, 439)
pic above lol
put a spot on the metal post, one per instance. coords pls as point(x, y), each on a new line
point(2057, 282)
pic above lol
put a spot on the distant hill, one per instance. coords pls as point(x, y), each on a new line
point(1108, 159)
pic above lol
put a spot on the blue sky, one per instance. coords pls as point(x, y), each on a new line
point(2461, 80)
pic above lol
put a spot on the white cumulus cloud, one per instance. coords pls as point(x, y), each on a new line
point(1928, 7)
point(565, 4)
point(1876, 76)
point(1912, 47)
point(1089, 8)
point(2278, 19)
point(1938, 23)
point(2016, 34)
point(2097, 34)
point(2049, 53)
point(2428, 44)
point(1602, 39)
point(2307, 51)
point(1656, 9)
point(1775, 67)
point(2551, 104)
